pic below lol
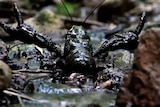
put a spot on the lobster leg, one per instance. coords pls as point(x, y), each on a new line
point(127, 40)
point(28, 34)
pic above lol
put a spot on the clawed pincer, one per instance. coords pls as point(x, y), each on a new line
point(126, 40)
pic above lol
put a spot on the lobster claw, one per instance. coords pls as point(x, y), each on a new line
point(126, 40)
point(22, 28)
point(28, 34)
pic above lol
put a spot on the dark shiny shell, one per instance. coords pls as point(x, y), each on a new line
point(78, 50)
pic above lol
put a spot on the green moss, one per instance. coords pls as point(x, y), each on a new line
point(46, 16)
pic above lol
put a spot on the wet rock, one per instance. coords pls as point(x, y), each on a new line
point(110, 79)
point(24, 56)
point(22, 83)
point(5, 75)
point(3, 50)
point(141, 88)
point(122, 59)
point(109, 9)
point(44, 21)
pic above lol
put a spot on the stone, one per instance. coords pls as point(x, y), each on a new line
point(141, 87)
point(5, 76)
point(3, 51)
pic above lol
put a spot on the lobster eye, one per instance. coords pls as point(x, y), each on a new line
point(85, 44)
point(24, 54)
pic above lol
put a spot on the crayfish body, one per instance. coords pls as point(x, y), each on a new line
point(78, 50)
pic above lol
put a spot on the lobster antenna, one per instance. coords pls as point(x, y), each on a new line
point(93, 11)
point(66, 10)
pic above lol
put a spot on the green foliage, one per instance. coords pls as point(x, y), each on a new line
point(72, 8)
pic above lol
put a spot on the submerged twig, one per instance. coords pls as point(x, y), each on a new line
point(20, 100)
point(33, 71)
point(24, 96)
point(39, 73)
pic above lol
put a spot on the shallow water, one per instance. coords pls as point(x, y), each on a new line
point(60, 95)
point(78, 100)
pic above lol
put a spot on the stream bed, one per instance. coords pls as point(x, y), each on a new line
point(61, 95)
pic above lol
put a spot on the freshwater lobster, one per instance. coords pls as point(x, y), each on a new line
point(78, 55)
